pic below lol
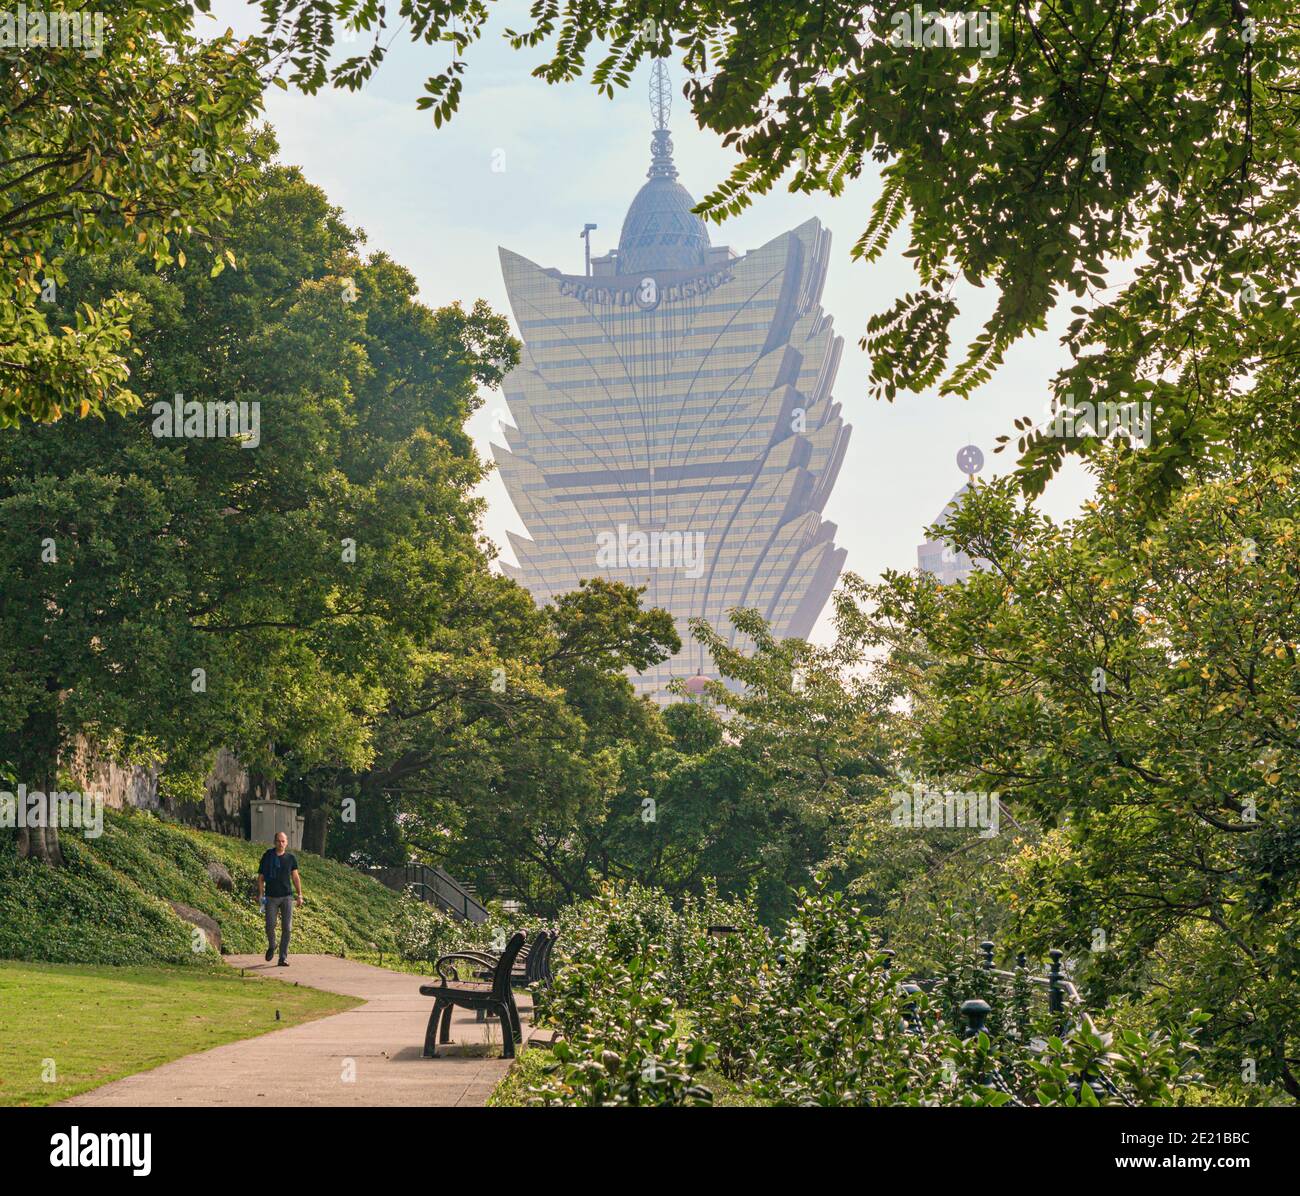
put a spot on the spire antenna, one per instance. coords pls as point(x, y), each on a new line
point(661, 142)
point(661, 96)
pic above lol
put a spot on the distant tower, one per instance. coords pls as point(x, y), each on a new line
point(675, 425)
point(939, 557)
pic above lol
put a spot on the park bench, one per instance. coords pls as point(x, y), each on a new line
point(538, 966)
point(488, 996)
point(533, 965)
point(544, 975)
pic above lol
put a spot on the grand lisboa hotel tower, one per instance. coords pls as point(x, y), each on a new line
point(674, 425)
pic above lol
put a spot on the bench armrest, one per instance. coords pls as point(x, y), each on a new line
point(475, 957)
point(469, 953)
point(487, 958)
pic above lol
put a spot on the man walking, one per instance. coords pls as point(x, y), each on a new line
point(275, 873)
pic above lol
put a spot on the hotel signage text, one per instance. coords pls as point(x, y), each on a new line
point(625, 296)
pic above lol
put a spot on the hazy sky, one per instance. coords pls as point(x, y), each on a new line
point(565, 156)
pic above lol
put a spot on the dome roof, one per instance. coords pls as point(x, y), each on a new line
point(660, 232)
point(697, 684)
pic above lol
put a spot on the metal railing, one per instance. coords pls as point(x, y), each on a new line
point(433, 885)
point(1063, 999)
point(1062, 996)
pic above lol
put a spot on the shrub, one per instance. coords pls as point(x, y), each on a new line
point(810, 1017)
point(108, 904)
point(620, 1043)
point(421, 930)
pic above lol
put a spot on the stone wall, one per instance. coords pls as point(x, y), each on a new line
point(118, 784)
point(227, 792)
point(225, 806)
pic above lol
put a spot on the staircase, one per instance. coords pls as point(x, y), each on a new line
point(433, 885)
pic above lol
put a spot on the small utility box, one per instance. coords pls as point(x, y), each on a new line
point(270, 817)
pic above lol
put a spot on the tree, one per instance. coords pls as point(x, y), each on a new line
point(1132, 687)
point(818, 725)
point(791, 787)
point(504, 755)
point(146, 143)
point(169, 589)
point(1059, 141)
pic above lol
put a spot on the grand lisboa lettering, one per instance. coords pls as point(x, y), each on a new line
point(646, 292)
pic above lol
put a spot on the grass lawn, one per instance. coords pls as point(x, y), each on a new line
point(101, 1023)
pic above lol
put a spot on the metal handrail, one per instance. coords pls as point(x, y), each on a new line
point(454, 895)
point(436, 887)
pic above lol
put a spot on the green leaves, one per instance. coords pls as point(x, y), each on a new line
point(147, 144)
point(311, 579)
point(1129, 681)
point(808, 1016)
point(909, 344)
point(621, 1045)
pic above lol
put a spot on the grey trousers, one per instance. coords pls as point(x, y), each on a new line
point(285, 906)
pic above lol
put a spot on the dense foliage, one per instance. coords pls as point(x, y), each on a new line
point(143, 139)
point(1123, 687)
point(166, 595)
point(109, 902)
point(1131, 687)
point(646, 999)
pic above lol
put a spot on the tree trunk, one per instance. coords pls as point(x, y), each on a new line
point(315, 828)
point(42, 842)
point(1289, 1081)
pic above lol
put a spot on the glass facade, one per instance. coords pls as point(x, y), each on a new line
point(674, 422)
point(942, 560)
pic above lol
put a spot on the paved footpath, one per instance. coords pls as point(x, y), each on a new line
point(378, 1043)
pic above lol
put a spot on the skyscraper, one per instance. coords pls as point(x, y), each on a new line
point(675, 425)
point(941, 559)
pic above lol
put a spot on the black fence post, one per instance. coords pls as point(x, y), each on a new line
point(976, 1013)
point(1056, 994)
point(987, 947)
point(911, 1016)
